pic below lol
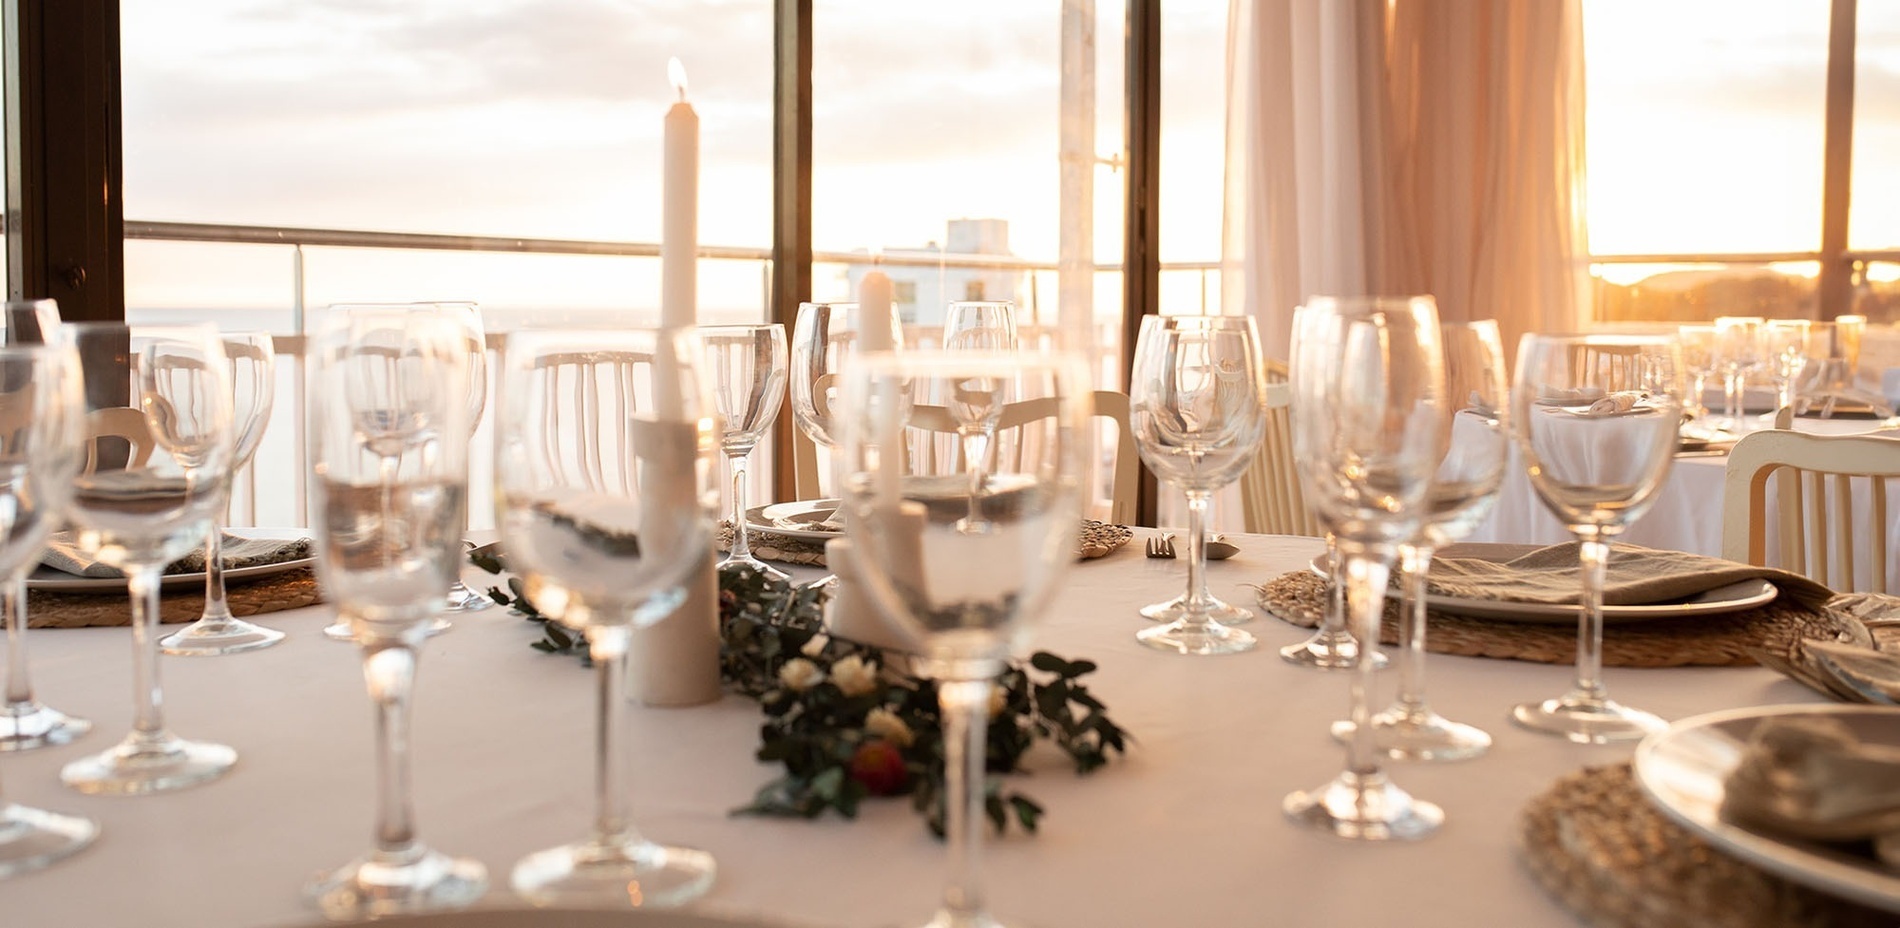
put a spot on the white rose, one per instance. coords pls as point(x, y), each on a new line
point(853, 676)
point(885, 724)
point(799, 674)
point(815, 646)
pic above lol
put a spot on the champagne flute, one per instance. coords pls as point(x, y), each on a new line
point(389, 467)
point(40, 413)
point(747, 366)
point(604, 474)
point(1597, 474)
point(25, 722)
point(1198, 404)
point(141, 504)
point(1368, 401)
point(978, 325)
point(1463, 489)
point(964, 595)
point(253, 364)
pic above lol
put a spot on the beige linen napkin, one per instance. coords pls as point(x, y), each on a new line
point(1615, 404)
point(63, 555)
point(1635, 576)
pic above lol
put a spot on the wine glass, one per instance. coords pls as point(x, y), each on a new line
point(41, 410)
point(1464, 487)
point(252, 359)
point(1198, 405)
point(978, 325)
point(25, 722)
point(1699, 363)
point(604, 447)
point(1738, 353)
point(964, 595)
point(746, 364)
point(1785, 345)
point(144, 498)
point(389, 472)
point(1368, 402)
point(1597, 474)
point(475, 338)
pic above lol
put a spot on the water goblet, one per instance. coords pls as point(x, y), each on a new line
point(389, 472)
point(978, 325)
point(1699, 363)
point(1738, 352)
point(25, 722)
point(604, 446)
point(824, 338)
point(40, 415)
point(1785, 346)
point(1368, 402)
point(747, 366)
point(1198, 411)
point(963, 595)
point(1597, 474)
point(252, 359)
point(145, 496)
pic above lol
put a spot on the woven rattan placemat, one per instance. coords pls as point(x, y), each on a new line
point(1095, 540)
point(1702, 641)
point(291, 589)
point(1596, 843)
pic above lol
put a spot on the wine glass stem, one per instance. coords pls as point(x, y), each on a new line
point(1699, 381)
point(1415, 564)
point(148, 722)
point(1196, 611)
point(966, 712)
point(215, 607)
point(1593, 556)
point(1366, 577)
point(1333, 622)
point(19, 683)
point(741, 545)
point(607, 645)
point(389, 670)
point(976, 452)
point(1732, 395)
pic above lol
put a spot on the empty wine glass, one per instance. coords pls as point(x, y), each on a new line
point(604, 447)
point(475, 340)
point(1368, 403)
point(41, 411)
point(1597, 474)
point(1477, 445)
point(824, 338)
point(25, 722)
point(964, 595)
point(978, 325)
point(1699, 363)
point(1198, 404)
point(746, 364)
point(389, 471)
point(1785, 346)
point(253, 362)
point(1738, 353)
point(157, 472)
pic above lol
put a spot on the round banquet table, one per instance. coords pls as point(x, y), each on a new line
point(1186, 830)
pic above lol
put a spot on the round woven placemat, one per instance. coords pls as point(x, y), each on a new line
point(1596, 843)
point(1095, 540)
point(291, 589)
point(1691, 641)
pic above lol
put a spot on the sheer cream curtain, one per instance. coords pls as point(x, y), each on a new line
point(1407, 146)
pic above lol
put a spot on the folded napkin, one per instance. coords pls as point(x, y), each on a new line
point(1567, 396)
point(1635, 576)
point(1615, 404)
point(1810, 777)
point(63, 555)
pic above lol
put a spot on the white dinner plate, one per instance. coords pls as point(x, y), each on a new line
point(54, 581)
point(1743, 594)
point(795, 520)
point(1683, 771)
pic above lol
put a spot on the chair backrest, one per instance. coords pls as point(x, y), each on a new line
point(582, 381)
point(118, 424)
point(1271, 500)
point(936, 421)
point(1818, 499)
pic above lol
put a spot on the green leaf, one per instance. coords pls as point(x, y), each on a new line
point(1027, 811)
point(1047, 663)
point(998, 815)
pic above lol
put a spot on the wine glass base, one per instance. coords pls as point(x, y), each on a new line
point(340, 629)
point(461, 599)
point(149, 765)
point(423, 881)
point(1328, 651)
point(1364, 808)
point(754, 564)
point(210, 637)
point(1416, 733)
point(1182, 637)
point(33, 838)
point(1587, 720)
point(31, 725)
point(632, 874)
point(1176, 609)
point(948, 919)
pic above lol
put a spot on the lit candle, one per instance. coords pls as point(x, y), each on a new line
point(874, 311)
point(679, 224)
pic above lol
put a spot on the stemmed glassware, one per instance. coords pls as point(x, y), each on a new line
point(1198, 407)
point(824, 338)
point(604, 446)
point(475, 340)
point(1466, 484)
point(253, 362)
point(748, 369)
point(25, 722)
point(1598, 474)
point(1367, 411)
point(1785, 345)
point(41, 410)
point(1699, 363)
point(389, 467)
point(1738, 354)
point(143, 499)
point(963, 595)
point(978, 325)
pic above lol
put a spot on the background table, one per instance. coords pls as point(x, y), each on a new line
point(1186, 831)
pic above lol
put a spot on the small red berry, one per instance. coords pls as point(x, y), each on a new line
point(879, 765)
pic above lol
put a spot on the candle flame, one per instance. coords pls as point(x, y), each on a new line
point(676, 73)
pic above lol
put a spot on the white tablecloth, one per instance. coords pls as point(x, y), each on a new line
point(1186, 831)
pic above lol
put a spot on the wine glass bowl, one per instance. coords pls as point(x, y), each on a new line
point(824, 339)
point(747, 366)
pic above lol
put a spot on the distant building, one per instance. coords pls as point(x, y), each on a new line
point(922, 291)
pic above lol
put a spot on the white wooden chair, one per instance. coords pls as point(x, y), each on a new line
point(113, 425)
point(1816, 527)
point(936, 421)
point(1271, 500)
point(581, 382)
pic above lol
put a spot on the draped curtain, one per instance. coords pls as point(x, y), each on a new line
point(1407, 146)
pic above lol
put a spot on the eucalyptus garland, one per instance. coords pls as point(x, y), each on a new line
point(846, 721)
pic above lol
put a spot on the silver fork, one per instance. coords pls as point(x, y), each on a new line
point(1161, 546)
